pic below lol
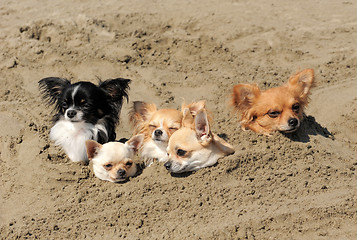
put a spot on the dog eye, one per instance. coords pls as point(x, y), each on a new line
point(181, 152)
point(83, 101)
point(152, 126)
point(108, 166)
point(295, 107)
point(129, 164)
point(273, 114)
point(65, 105)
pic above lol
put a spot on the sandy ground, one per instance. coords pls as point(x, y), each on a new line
point(298, 186)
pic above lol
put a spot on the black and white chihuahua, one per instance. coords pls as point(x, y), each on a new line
point(84, 111)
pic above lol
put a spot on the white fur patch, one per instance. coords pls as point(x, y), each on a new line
point(74, 92)
point(71, 136)
point(154, 150)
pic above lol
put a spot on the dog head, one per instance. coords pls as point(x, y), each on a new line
point(113, 161)
point(190, 149)
point(157, 125)
point(276, 109)
point(84, 101)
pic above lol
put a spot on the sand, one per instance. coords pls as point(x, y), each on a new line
point(297, 186)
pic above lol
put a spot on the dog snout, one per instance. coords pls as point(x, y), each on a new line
point(121, 172)
point(167, 165)
point(158, 133)
point(71, 113)
point(293, 122)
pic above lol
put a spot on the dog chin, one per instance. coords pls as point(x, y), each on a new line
point(159, 140)
point(119, 180)
point(180, 168)
point(289, 129)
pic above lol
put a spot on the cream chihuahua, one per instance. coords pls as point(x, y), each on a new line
point(194, 146)
point(113, 161)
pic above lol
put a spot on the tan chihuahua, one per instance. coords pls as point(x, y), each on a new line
point(194, 146)
point(276, 109)
point(157, 127)
point(112, 161)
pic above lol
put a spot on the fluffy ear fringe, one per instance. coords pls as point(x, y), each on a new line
point(117, 90)
point(243, 96)
point(51, 89)
point(302, 83)
point(139, 114)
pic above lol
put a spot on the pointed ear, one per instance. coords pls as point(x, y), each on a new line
point(202, 125)
point(143, 111)
point(302, 82)
point(187, 119)
point(52, 88)
point(225, 147)
point(194, 107)
point(135, 142)
point(116, 88)
point(92, 148)
point(243, 96)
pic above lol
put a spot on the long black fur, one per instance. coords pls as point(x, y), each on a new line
point(103, 102)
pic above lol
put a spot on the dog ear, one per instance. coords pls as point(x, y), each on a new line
point(243, 96)
point(92, 148)
point(202, 126)
point(194, 107)
point(135, 142)
point(52, 89)
point(225, 147)
point(187, 119)
point(143, 111)
point(117, 89)
point(302, 82)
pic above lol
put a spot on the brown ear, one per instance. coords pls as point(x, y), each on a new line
point(302, 82)
point(187, 119)
point(243, 96)
point(135, 142)
point(194, 107)
point(92, 148)
point(141, 112)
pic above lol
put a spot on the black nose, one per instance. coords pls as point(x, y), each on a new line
point(158, 132)
point(121, 172)
point(167, 165)
point(293, 122)
point(71, 113)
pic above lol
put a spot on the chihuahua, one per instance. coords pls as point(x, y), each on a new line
point(83, 111)
point(194, 146)
point(276, 109)
point(113, 161)
point(157, 127)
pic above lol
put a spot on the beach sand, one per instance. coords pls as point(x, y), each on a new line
point(297, 186)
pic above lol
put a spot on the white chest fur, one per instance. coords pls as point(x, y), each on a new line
point(71, 136)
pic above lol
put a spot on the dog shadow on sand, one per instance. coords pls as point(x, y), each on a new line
point(309, 127)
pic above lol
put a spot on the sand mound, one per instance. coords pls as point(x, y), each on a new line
point(300, 185)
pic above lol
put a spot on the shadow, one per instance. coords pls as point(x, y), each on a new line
point(309, 127)
point(181, 175)
point(139, 169)
point(186, 174)
point(122, 140)
point(223, 136)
